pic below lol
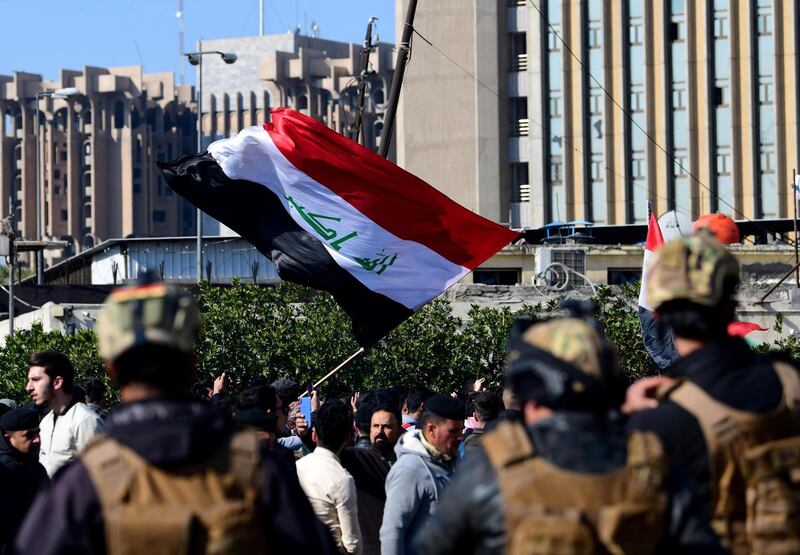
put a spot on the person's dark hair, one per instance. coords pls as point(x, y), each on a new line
point(416, 398)
point(95, 390)
point(390, 408)
point(428, 416)
point(227, 404)
point(200, 389)
point(55, 364)
point(487, 406)
point(261, 397)
point(78, 393)
point(363, 418)
point(693, 321)
point(163, 367)
point(333, 423)
point(287, 390)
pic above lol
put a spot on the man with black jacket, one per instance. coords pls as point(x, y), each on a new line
point(554, 478)
point(691, 283)
point(21, 475)
point(171, 471)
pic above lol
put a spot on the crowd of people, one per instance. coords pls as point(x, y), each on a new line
point(567, 457)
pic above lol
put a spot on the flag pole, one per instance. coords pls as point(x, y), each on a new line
point(332, 372)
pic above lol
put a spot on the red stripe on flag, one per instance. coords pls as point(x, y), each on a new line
point(654, 238)
point(396, 200)
point(740, 329)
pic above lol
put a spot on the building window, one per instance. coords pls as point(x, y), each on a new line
point(553, 44)
point(159, 216)
point(555, 169)
point(119, 114)
point(721, 26)
point(638, 169)
point(520, 188)
point(64, 216)
point(595, 37)
point(723, 163)
point(518, 45)
point(518, 109)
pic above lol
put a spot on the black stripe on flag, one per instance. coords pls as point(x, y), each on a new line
point(256, 213)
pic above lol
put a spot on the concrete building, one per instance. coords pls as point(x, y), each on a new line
point(315, 76)
point(691, 105)
point(98, 152)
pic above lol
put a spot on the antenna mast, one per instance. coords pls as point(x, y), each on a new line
point(260, 18)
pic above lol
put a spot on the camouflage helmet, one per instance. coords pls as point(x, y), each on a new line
point(152, 314)
point(563, 363)
point(696, 269)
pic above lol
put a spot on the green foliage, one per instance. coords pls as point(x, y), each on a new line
point(80, 348)
point(292, 331)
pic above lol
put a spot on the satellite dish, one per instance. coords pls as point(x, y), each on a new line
point(673, 224)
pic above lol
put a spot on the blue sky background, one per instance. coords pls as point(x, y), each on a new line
point(43, 36)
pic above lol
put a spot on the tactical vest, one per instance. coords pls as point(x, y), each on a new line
point(755, 466)
point(208, 507)
point(549, 510)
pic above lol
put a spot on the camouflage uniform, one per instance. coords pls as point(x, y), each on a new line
point(699, 275)
point(515, 492)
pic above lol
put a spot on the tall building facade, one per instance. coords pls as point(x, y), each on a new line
point(98, 150)
point(315, 76)
point(588, 109)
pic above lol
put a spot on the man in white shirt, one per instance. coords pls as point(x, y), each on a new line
point(329, 487)
point(69, 425)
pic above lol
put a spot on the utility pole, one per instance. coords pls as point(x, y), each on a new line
point(362, 86)
point(397, 81)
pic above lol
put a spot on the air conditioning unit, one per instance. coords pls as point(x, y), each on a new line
point(574, 259)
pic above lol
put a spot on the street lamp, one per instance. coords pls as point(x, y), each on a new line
point(196, 59)
point(65, 93)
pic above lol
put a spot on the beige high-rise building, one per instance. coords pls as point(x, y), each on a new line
point(691, 105)
point(98, 151)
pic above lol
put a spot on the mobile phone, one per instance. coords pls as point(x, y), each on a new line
point(305, 409)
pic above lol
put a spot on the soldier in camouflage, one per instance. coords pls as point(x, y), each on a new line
point(719, 397)
point(551, 483)
point(170, 475)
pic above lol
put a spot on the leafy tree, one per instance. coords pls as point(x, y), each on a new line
point(253, 332)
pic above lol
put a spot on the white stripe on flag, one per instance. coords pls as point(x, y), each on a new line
point(405, 271)
point(648, 254)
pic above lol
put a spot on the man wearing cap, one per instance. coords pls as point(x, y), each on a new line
point(21, 475)
point(426, 459)
point(563, 478)
point(171, 474)
point(721, 389)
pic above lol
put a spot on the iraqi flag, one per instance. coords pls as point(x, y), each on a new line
point(657, 337)
point(335, 216)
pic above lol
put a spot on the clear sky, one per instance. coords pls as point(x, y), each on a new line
point(43, 36)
